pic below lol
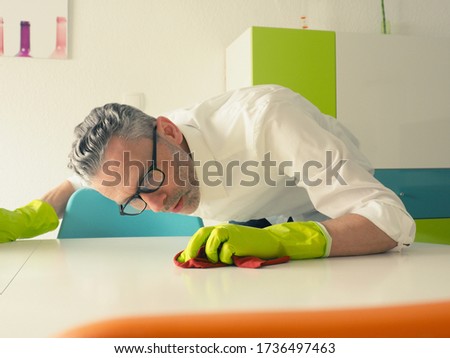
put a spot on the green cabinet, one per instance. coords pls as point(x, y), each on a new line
point(304, 61)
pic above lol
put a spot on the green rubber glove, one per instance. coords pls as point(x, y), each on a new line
point(33, 219)
point(298, 240)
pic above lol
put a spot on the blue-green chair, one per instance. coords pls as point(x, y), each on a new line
point(90, 215)
point(426, 195)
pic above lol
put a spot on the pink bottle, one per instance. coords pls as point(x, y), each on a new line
point(61, 38)
point(24, 39)
point(1, 36)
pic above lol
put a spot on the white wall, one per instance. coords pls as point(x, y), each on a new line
point(173, 51)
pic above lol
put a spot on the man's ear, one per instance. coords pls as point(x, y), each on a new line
point(169, 130)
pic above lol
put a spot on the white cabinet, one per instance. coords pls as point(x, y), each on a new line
point(393, 93)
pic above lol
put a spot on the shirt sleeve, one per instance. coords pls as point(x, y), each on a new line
point(329, 166)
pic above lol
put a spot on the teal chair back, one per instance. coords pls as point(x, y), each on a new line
point(89, 215)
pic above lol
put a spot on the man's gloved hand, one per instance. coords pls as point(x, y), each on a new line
point(298, 240)
point(33, 219)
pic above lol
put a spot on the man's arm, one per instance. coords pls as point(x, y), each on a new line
point(37, 217)
point(350, 234)
point(353, 234)
point(59, 196)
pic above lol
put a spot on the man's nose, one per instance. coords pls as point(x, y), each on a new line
point(155, 201)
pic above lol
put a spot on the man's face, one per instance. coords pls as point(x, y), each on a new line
point(126, 162)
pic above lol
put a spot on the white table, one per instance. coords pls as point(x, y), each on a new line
point(48, 286)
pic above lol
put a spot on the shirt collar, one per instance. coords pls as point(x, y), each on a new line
point(201, 154)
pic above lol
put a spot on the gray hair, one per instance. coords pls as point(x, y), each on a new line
point(93, 134)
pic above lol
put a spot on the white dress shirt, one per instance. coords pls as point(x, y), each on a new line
point(267, 152)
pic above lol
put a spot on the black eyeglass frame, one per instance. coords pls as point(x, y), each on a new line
point(141, 188)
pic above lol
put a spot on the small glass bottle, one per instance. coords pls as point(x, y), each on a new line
point(24, 39)
point(304, 21)
point(1, 36)
point(61, 38)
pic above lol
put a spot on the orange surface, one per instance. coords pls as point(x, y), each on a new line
point(418, 320)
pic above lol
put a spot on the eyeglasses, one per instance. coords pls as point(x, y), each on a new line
point(150, 182)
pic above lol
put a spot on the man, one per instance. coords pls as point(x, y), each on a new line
point(261, 153)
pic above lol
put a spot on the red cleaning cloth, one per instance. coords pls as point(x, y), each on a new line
point(201, 261)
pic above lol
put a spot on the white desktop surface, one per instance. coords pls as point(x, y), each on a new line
point(48, 286)
point(12, 258)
